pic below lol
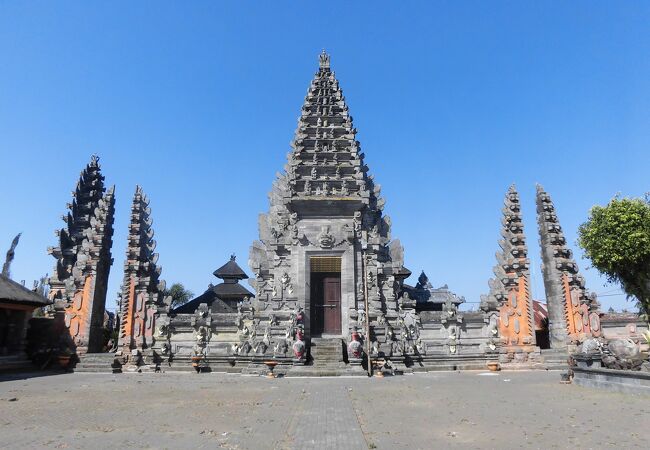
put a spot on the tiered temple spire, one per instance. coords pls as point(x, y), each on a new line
point(327, 160)
point(572, 314)
point(509, 290)
point(142, 290)
point(83, 258)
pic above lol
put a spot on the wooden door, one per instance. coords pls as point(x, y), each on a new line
point(317, 308)
point(325, 303)
point(332, 305)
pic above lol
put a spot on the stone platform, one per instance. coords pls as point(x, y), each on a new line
point(97, 362)
point(625, 381)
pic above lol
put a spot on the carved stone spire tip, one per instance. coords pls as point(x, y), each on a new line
point(324, 60)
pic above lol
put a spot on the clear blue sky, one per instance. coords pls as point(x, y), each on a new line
point(198, 102)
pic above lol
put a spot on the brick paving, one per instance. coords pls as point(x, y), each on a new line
point(436, 410)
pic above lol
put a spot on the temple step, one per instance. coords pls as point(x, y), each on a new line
point(327, 361)
point(327, 371)
point(327, 352)
point(15, 363)
point(555, 359)
point(98, 363)
point(442, 362)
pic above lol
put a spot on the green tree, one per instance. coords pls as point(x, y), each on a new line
point(179, 294)
point(616, 238)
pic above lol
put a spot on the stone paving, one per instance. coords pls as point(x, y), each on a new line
point(434, 410)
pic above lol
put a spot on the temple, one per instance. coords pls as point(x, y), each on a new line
point(83, 260)
point(326, 233)
point(328, 293)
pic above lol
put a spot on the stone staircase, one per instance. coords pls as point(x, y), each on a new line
point(327, 361)
point(98, 363)
point(326, 353)
point(555, 359)
point(15, 363)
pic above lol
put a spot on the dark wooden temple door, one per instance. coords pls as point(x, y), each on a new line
point(326, 303)
point(332, 304)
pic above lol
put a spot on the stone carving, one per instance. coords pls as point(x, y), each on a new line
point(202, 337)
point(83, 258)
point(11, 253)
point(325, 238)
point(201, 321)
point(452, 322)
point(590, 346)
point(572, 313)
point(344, 188)
point(618, 354)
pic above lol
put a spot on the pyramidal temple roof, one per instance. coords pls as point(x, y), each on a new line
point(230, 271)
point(216, 297)
point(12, 292)
point(326, 161)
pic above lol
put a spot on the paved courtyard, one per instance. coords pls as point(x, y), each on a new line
point(435, 410)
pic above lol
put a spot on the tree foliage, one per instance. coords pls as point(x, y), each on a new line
point(179, 294)
point(616, 238)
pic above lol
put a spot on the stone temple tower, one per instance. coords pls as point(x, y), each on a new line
point(83, 260)
point(325, 245)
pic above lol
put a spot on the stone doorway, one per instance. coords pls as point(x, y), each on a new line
point(325, 282)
